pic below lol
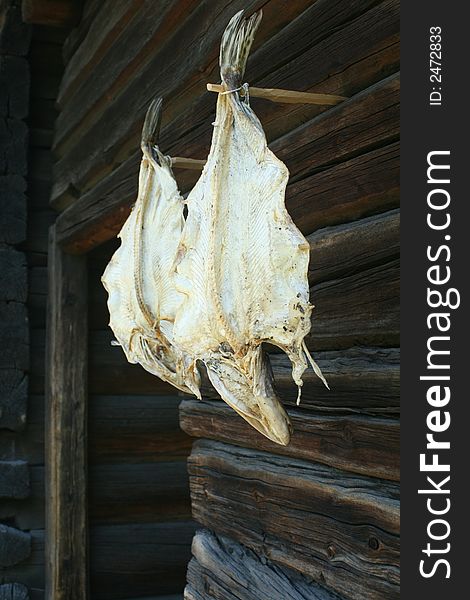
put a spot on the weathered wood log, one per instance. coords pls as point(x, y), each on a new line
point(358, 310)
point(122, 128)
point(14, 591)
point(14, 479)
point(367, 446)
point(53, 13)
point(361, 186)
point(14, 87)
point(12, 209)
point(130, 429)
point(15, 35)
point(334, 527)
point(90, 12)
point(30, 571)
point(349, 248)
point(13, 399)
point(225, 570)
point(15, 546)
point(14, 275)
point(66, 418)
point(139, 560)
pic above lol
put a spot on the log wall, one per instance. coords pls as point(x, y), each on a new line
point(319, 518)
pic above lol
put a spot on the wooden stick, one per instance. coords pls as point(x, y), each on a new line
point(179, 162)
point(285, 96)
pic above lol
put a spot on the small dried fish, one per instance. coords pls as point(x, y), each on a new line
point(139, 279)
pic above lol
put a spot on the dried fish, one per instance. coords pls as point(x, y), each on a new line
point(139, 279)
point(243, 267)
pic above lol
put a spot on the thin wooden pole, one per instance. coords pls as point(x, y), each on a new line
point(66, 425)
point(178, 162)
point(285, 96)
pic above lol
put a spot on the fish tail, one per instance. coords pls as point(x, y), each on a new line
point(151, 128)
point(235, 47)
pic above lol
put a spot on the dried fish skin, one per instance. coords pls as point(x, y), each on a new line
point(139, 279)
point(244, 263)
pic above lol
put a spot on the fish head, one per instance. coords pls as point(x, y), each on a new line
point(248, 388)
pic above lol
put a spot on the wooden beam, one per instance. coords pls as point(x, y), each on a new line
point(66, 417)
point(54, 13)
point(179, 162)
point(353, 443)
point(284, 96)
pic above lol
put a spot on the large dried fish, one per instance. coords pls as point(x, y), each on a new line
point(244, 263)
point(140, 276)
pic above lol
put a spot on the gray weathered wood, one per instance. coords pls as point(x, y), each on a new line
point(14, 479)
point(225, 570)
point(14, 275)
point(349, 248)
point(13, 591)
point(361, 309)
point(15, 546)
point(66, 417)
point(368, 446)
point(332, 526)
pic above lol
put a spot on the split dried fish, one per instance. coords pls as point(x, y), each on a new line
point(243, 267)
point(139, 279)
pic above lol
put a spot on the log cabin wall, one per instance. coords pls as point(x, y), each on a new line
point(319, 517)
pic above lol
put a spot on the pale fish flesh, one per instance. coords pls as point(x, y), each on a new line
point(243, 266)
point(139, 279)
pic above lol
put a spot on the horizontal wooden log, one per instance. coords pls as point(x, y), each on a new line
point(14, 479)
point(360, 186)
point(358, 310)
point(14, 87)
point(15, 546)
point(14, 275)
point(14, 591)
point(13, 399)
point(12, 209)
point(225, 570)
point(349, 248)
point(338, 528)
point(130, 429)
point(29, 571)
point(53, 13)
point(75, 37)
point(139, 560)
point(367, 446)
point(121, 134)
